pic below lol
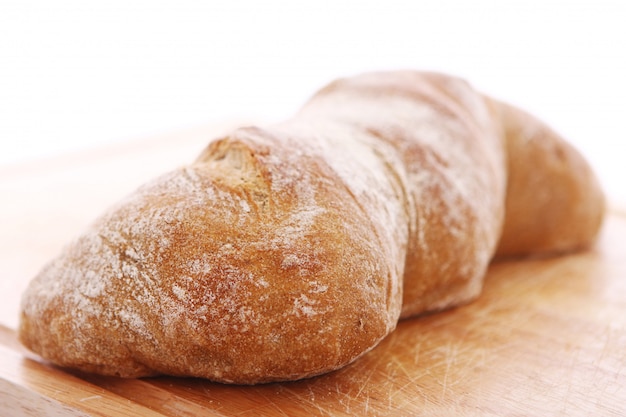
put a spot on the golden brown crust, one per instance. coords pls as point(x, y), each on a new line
point(253, 265)
point(287, 252)
point(453, 167)
point(554, 202)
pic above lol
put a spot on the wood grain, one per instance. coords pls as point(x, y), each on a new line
point(547, 337)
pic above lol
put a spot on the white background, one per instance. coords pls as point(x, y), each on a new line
point(78, 74)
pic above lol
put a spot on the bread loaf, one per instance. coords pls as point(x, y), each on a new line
point(554, 202)
point(289, 251)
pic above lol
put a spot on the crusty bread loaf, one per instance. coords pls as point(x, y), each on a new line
point(554, 202)
point(290, 251)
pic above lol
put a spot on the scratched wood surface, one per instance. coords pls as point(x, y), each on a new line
point(547, 336)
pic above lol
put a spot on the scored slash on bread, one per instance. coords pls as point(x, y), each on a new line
point(289, 251)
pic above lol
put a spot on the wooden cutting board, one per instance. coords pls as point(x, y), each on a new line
point(547, 337)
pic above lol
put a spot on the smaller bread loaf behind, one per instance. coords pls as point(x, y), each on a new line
point(554, 202)
point(290, 251)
